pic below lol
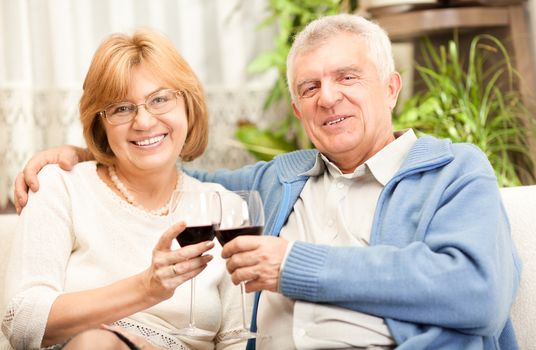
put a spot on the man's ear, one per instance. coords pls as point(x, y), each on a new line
point(296, 110)
point(394, 86)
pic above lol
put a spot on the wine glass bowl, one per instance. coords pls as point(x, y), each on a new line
point(201, 212)
point(242, 214)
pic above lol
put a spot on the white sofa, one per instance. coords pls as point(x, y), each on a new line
point(520, 203)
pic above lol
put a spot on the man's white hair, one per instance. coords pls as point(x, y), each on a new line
point(320, 30)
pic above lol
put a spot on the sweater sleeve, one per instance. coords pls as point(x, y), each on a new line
point(39, 256)
point(458, 268)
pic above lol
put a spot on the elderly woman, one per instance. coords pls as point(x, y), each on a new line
point(94, 266)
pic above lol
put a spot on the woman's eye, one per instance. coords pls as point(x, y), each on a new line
point(159, 99)
point(123, 109)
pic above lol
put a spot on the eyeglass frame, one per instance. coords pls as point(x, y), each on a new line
point(102, 113)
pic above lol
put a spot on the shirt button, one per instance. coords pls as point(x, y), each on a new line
point(330, 223)
point(301, 332)
point(340, 185)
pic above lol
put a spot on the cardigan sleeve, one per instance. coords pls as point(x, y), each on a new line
point(39, 256)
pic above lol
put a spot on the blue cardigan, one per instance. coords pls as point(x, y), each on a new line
point(441, 267)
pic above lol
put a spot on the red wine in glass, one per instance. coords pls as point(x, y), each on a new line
point(242, 214)
point(201, 212)
point(226, 235)
point(196, 234)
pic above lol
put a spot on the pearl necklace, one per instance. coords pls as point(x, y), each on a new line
point(130, 198)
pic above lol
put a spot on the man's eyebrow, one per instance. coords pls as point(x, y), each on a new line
point(347, 69)
point(305, 81)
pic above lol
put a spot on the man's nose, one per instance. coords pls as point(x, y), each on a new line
point(329, 95)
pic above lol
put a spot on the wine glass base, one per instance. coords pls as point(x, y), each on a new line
point(241, 334)
point(194, 332)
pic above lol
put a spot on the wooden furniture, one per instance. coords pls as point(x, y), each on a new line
point(409, 25)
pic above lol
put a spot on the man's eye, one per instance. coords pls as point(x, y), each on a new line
point(308, 91)
point(345, 79)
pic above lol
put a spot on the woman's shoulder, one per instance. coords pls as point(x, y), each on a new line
point(53, 173)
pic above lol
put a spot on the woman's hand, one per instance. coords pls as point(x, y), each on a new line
point(171, 268)
point(66, 156)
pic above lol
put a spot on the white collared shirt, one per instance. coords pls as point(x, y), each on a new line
point(335, 209)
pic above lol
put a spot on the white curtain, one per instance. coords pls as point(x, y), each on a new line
point(46, 47)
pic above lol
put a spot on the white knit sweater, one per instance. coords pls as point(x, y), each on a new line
point(77, 234)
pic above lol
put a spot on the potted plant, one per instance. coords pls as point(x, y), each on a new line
point(474, 100)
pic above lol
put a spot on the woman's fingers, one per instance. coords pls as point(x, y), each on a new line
point(170, 268)
point(164, 243)
point(186, 266)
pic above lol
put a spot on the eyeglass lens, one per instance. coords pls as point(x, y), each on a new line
point(158, 103)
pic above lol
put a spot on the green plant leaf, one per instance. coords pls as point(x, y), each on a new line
point(473, 99)
point(263, 144)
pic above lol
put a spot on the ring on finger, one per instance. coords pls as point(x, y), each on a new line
point(174, 270)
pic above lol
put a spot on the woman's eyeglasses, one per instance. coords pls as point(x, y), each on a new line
point(157, 103)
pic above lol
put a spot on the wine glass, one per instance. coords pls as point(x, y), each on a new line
point(242, 214)
point(201, 211)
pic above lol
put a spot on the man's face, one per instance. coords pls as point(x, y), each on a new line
point(343, 105)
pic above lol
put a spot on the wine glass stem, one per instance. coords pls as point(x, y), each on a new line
point(243, 294)
point(192, 302)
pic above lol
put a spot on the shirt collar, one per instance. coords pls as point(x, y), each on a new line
point(383, 165)
point(389, 159)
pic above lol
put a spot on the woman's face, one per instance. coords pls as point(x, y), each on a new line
point(148, 142)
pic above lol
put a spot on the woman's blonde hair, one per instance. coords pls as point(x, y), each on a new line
point(109, 77)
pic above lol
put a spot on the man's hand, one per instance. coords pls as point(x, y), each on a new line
point(66, 156)
point(256, 261)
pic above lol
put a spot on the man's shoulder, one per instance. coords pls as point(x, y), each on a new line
point(463, 156)
point(300, 156)
point(470, 154)
point(296, 162)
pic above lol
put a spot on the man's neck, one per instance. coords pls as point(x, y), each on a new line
point(348, 162)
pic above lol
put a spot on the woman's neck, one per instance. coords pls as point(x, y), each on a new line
point(149, 190)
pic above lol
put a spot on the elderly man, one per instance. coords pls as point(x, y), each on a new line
point(376, 239)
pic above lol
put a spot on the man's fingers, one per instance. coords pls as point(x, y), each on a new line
point(21, 192)
point(244, 275)
point(241, 260)
point(240, 244)
point(67, 161)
